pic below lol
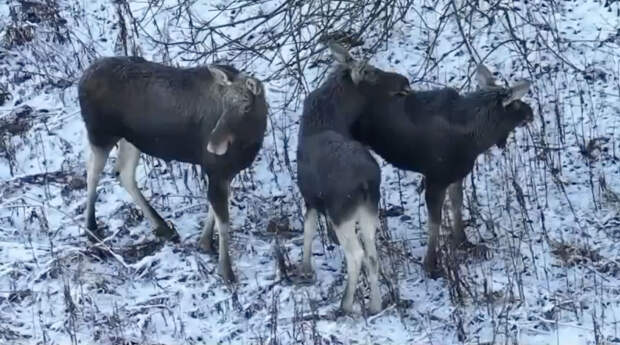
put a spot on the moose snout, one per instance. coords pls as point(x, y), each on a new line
point(219, 148)
point(528, 119)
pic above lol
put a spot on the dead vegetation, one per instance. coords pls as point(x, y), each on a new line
point(580, 255)
point(27, 15)
point(5, 96)
point(547, 210)
point(17, 122)
point(15, 36)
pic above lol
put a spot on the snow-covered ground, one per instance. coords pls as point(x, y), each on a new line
point(548, 206)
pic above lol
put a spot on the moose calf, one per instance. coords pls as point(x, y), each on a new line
point(336, 175)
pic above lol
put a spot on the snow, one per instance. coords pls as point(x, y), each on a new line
point(55, 290)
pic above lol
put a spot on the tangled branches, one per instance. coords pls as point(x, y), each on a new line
point(283, 33)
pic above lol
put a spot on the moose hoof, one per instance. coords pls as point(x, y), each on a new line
point(477, 250)
point(435, 273)
point(344, 310)
point(94, 234)
point(396, 301)
point(225, 271)
point(206, 245)
point(167, 233)
point(305, 276)
point(432, 268)
point(375, 308)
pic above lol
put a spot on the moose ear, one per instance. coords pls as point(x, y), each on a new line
point(254, 86)
point(340, 53)
point(484, 77)
point(363, 71)
point(219, 76)
point(516, 92)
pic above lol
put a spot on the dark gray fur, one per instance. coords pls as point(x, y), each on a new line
point(440, 134)
point(336, 175)
point(334, 172)
point(172, 113)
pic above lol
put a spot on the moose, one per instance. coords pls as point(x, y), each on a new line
point(440, 134)
point(336, 175)
point(214, 116)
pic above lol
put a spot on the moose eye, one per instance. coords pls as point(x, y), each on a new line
point(246, 105)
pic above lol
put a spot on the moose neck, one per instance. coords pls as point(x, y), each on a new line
point(336, 105)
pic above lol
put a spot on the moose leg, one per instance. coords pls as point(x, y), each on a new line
point(455, 192)
point(310, 224)
point(329, 229)
point(369, 222)
point(218, 198)
point(434, 196)
point(459, 238)
point(206, 240)
point(354, 254)
point(128, 158)
point(96, 163)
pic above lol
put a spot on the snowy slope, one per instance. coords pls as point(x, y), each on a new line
point(548, 206)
